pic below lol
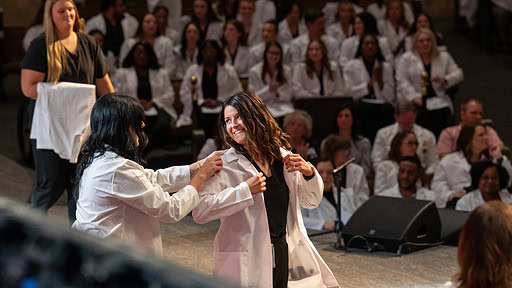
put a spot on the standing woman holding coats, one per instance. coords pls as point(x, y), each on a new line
point(63, 53)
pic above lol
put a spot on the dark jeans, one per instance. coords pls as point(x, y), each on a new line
point(280, 272)
point(53, 176)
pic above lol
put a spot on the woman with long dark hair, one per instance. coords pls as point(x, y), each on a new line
point(186, 53)
point(257, 196)
point(117, 197)
point(234, 42)
point(395, 26)
point(205, 19)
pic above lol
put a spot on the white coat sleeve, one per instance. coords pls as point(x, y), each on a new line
point(463, 203)
point(170, 179)
point(124, 50)
point(440, 185)
point(165, 92)
point(379, 149)
point(257, 85)
point(388, 91)
point(119, 82)
point(405, 88)
point(217, 201)
point(454, 75)
point(361, 190)
point(383, 178)
point(285, 90)
point(386, 50)
point(339, 85)
point(186, 92)
point(131, 185)
point(354, 88)
point(311, 222)
point(168, 62)
point(310, 192)
point(299, 74)
point(431, 155)
point(345, 54)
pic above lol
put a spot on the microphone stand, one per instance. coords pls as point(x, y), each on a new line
point(340, 173)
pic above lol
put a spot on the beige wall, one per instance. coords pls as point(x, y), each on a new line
point(19, 12)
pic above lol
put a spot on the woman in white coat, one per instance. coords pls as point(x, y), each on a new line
point(235, 48)
point(292, 25)
point(452, 178)
point(186, 53)
point(317, 76)
point(490, 180)
point(261, 223)
point(216, 81)
point(344, 25)
point(117, 197)
point(271, 80)
point(441, 73)
point(394, 27)
point(148, 32)
point(250, 21)
point(379, 8)
point(210, 27)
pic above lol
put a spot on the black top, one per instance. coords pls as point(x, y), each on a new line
point(329, 195)
point(85, 66)
point(276, 197)
point(209, 85)
point(430, 90)
point(321, 79)
point(114, 37)
point(369, 68)
point(144, 88)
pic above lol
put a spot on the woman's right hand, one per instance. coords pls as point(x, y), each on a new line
point(257, 183)
point(212, 165)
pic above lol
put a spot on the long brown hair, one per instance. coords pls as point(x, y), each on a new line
point(402, 21)
point(310, 66)
point(280, 77)
point(264, 137)
point(394, 152)
point(485, 247)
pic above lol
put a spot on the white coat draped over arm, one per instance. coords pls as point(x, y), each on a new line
point(356, 79)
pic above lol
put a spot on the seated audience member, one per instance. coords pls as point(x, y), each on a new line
point(324, 216)
point(403, 145)
point(251, 24)
point(271, 80)
point(265, 10)
point(268, 33)
point(364, 23)
point(491, 180)
point(210, 28)
point(394, 26)
point(291, 26)
point(441, 71)
point(452, 176)
point(405, 117)
point(35, 29)
point(315, 22)
point(235, 48)
point(423, 21)
point(216, 81)
point(331, 10)
point(485, 248)
point(148, 32)
point(141, 77)
point(109, 55)
point(369, 80)
point(186, 53)
point(344, 25)
point(379, 8)
point(410, 172)
point(299, 126)
point(352, 176)
point(317, 76)
point(347, 127)
point(114, 23)
point(225, 9)
point(170, 30)
point(471, 112)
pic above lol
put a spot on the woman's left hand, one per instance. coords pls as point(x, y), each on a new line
point(294, 162)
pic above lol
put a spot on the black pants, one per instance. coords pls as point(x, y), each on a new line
point(53, 176)
point(280, 271)
point(434, 120)
point(372, 117)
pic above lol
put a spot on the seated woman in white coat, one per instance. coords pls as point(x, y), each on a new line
point(186, 53)
point(369, 80)
point(235, 48)
point(142, 78)
point(117, 197)
point(216, 81)
point(299, 126)
point(422, 21)
point(364, 23)
point(490, 180)
point(210, 27)
point(148, 32)
point(317, 76)
point(452, 177)
point(403, 144)
point(292, 26)
point(251, 22)
point(261, 241)
point(344, 25)
point(394, 26)
point(272, 81)
point(379, 8)
point(426, 65)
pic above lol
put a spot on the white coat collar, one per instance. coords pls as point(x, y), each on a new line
point(232, 155)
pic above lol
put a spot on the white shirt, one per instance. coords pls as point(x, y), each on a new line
point(335, 31)
point(32, 34)
point(474, 199)
point(241, 61)
point(421, 194)
point(356, 78)
point(380, 12)
point(120, 199)
point(128, 23)
point(387, 30)
point(350, 45)
point(427, 148)
point(299, 46)
point(305, 86)
point(182, 64)
point(278, 104)
point(451, 175)
point(256, 54)
point(386, 173)
point(163, 48)
point(284, 35)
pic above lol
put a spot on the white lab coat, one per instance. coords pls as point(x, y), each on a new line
point(474, 199)
point(280, 105)
point(350, 45)
point(126, 82)
point(254, 35)
point(265, 10)
point(228, 84)
point(241, 63)
point(284, 35)
point(331, 9)
point(387, 30)
point(129, 24)
point(452, 175)
point(182, 64)
point(163, 48)
point(32, 34)
point(256, 54)
point(304, 86)
point(119, 199)
point(215, 31)
point(356, 78)
point(380, 12)
point(427, 148)
point(421, 193)
point(299, 47)
point(386, 173)
point(408, 78)
point(242, 248)
point(335, 31)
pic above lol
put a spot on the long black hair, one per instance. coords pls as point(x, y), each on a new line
point(114, 120)
point(184, 43)
point(129, 60)
point(379, 56)
point(215, 45)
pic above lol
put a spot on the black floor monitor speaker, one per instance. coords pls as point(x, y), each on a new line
point(394, 225)
point(452, 222)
